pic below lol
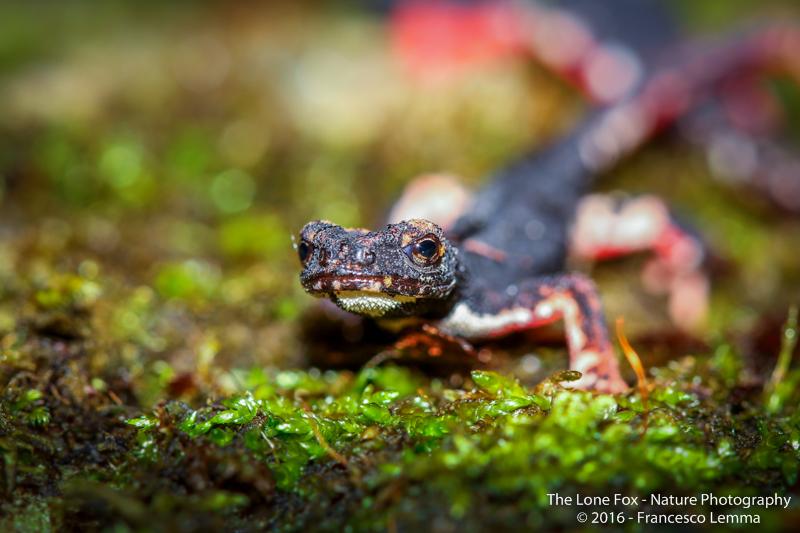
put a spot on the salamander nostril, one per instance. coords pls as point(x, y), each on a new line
point(364, 256)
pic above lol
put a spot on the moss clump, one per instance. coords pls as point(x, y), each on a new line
point(307, 449)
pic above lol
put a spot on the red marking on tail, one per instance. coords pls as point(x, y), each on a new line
point(438, 38)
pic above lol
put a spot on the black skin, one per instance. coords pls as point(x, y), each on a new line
point(501, 266)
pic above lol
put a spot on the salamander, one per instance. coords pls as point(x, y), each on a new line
point(483, 265)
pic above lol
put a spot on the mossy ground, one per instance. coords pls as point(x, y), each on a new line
point(162, 369)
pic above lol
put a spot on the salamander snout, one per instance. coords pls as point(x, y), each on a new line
point(364, 255)
point(410, 259)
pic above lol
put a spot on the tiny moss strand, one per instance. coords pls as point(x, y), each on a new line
point(788, 345)
point(634, 361)
point(336, 456)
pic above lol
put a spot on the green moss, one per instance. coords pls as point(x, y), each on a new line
point(67, 292)
point(189, 280)
point(497, 439)
point(252, 235)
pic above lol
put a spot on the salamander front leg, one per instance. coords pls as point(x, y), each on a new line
point(536, 302)
point(574, 300)
point(433, 342)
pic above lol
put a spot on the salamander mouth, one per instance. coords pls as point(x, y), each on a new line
point(390, 286)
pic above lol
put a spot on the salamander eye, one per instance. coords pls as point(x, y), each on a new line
point(304, 250)
point(425, 251)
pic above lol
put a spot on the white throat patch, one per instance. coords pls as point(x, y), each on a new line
point(464, 322)
point(370, 303)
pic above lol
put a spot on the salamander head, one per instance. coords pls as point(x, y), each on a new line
point(405, 269)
